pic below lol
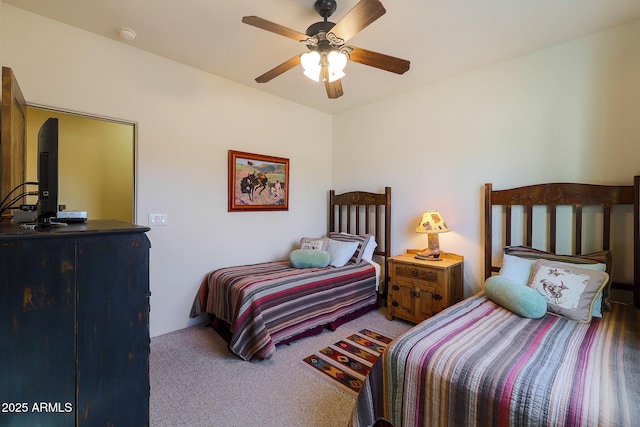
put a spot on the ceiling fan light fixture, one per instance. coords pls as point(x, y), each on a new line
point(310, 62)
point(328, 53)
point(337, 62)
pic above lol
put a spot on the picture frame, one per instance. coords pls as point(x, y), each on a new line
point(257, 182)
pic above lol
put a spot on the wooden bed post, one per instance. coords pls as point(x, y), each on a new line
point(387, 238)
point(332, 210)
point(488, 231)
point(387, 220)
point(636, 241)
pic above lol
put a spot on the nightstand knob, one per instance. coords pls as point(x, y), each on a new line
point(395, 287)
point(437, 297)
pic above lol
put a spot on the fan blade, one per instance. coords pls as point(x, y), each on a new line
point(358, 18)
point(275, 72)
point(263, 24)
point(334, 89)
point(379, 60)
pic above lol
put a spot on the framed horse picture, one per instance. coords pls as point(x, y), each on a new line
point(258, 182)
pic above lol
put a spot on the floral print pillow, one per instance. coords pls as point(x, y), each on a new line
point(569, 291)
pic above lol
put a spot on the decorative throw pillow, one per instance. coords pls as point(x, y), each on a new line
point(318, 243)
point(603, 257)
point(519, 270)
point(309, 258)
point(520, 299)
point(361, 240)
point(569, 291)
point(341, 252)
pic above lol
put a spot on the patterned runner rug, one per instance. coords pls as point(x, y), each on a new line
point(347, 362)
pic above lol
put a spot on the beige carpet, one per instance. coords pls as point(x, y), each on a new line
point(195, 381)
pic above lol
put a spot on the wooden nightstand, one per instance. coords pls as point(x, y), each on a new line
point(418, 289)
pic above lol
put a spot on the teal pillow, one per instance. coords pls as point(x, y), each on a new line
point(309, 258)
point(520, 299)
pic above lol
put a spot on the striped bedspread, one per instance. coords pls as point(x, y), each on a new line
point(479, 364)
point(268, 303)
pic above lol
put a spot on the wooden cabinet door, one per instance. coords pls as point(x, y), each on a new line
point(429, 299)
point(13, 135)
point(402, 298)
point(37, 332)
point(113, 330)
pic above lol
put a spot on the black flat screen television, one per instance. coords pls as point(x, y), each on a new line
point(47, 207)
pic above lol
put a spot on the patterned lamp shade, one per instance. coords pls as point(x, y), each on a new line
point(432, 223)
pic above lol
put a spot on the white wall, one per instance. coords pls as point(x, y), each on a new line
point(187, 121)
point(568, 113)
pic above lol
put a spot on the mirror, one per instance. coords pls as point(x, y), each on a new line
point(96, 163)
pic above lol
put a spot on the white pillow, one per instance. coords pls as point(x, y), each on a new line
point(367, 254)
point(341, 252)
point(362, 239)
point(516, 269)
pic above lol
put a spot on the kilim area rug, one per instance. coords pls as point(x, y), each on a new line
point(346, 363)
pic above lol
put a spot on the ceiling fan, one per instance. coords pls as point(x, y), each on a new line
point(328, 53)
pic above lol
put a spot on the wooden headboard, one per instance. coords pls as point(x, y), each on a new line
point(360, 212)
point(576, 196)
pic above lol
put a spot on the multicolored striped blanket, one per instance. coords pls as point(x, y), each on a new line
point(479, 364)
point(266, 304)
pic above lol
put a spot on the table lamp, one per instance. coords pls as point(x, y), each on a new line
point(433, 224)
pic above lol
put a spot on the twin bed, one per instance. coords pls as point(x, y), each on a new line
point(260, 306)
point(481, 363)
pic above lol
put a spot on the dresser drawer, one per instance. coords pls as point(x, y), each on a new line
point(418, 273)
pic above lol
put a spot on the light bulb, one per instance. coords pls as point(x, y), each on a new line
point(335, 75)
point(310, 62)
point(337, 62)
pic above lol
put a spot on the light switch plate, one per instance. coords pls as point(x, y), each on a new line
point(158, 219)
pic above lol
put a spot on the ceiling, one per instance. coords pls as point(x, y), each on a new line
point(441, 38)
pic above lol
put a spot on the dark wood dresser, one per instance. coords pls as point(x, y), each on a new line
point(74, 325)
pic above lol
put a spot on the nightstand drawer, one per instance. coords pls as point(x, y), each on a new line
point(418, 273)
